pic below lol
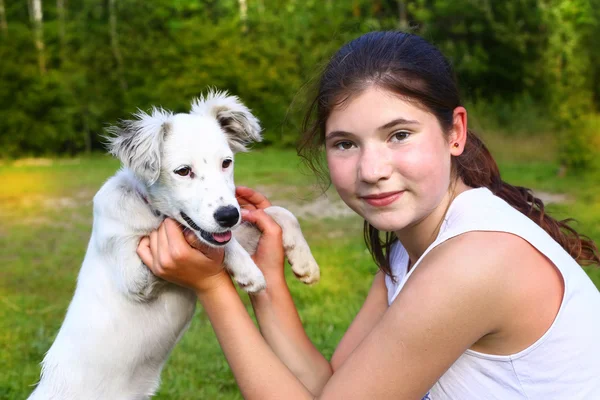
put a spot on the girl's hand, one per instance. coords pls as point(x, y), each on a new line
point(269, 256)
point(169, 255)
point(250, 199)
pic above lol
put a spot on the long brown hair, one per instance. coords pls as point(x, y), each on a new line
point(411, 67)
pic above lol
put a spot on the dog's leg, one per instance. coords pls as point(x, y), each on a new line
point(242, 268)
point(296, 249)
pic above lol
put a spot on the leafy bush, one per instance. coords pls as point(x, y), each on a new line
point(580, 145)
point(523, 115)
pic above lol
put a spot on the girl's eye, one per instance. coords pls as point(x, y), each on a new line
point(400, 136)
point(344, 145)
point(227, 163)
point(183, 171)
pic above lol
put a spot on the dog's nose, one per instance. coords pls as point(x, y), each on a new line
point(227, 216)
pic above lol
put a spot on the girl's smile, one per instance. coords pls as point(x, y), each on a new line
point(382, 199)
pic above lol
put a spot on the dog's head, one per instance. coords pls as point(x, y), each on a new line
point(186, 161)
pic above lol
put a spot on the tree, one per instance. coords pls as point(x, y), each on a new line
point(402, 15)
point(60, 11)
point(114, 41)
point(37, 18)
point(3, 24)
point(244, 15)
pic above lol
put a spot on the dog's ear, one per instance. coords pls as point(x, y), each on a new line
point(236, 120)
point(138, 143)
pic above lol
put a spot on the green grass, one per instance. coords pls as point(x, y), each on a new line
point(45, 209)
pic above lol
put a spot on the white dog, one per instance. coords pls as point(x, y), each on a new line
point(123, 321)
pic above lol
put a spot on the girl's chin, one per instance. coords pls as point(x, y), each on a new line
point(383, 221)
point(383, 225)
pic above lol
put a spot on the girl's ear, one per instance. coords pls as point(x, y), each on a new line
point(239, 124)
point(458, 135)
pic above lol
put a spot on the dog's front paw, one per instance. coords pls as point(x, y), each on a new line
point(251, 283)
point(242, 268)
point(304, 265)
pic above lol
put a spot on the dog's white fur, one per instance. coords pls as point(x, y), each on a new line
point(123, 322)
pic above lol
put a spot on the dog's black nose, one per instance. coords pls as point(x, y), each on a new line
point(227, 216)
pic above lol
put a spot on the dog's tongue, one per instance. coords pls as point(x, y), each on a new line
point(222, 237)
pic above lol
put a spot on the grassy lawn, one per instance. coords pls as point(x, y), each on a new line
point(45, 209)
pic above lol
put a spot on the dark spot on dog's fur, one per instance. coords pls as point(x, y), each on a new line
point(201, 177)
point(221, 198)
point(229, 124)
point(209, 205)
point(205, 162)
point(125, 189)
point(233, 126)
point(290, 247)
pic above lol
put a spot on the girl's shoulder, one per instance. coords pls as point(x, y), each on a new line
point(482, 252)
point(523, 286)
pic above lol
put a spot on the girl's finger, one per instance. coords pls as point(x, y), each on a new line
point(175, 239)
point(154, 244)
point(191, 238)
point(250, 196)
point(242, 201)
point(164, 254)
point(244, 205)
point(267, 225)
point(180, 247)
point(144, 252)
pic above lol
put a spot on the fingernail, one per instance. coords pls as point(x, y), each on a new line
point(245, 212)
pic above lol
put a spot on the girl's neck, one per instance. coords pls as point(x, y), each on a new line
point(419, 236)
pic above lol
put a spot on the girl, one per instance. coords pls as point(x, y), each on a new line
point(479, 293)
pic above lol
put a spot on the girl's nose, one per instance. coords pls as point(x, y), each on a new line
point(374, 165)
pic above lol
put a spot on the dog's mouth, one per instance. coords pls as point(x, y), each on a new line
point(214, 238)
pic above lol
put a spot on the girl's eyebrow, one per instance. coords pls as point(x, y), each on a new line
point(397, 121)
point(334, 134)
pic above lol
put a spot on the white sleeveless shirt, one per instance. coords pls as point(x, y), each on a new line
point(562, 364)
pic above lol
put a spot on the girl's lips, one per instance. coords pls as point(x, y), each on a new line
point(383, 199)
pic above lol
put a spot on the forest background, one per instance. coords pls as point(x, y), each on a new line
point(70, 67)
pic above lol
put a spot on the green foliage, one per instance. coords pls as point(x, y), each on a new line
point(568, 70)
point(580, 145)
point(104, 63)
point(521, 116)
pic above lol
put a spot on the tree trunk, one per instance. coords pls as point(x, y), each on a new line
point(87, 135)
point(60, 10)
point(3, 24)
point(37, 17)
point(403, 18)
point(114, 41)
point(244, 15)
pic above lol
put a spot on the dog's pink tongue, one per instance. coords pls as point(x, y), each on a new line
point(222, 237)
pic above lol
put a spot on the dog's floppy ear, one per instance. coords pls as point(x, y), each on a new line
point(240, 126)
point(138, 143)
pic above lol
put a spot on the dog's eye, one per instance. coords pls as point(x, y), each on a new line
point(183, 171)
point(227, 163)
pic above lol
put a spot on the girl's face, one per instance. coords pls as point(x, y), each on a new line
point(388, 159)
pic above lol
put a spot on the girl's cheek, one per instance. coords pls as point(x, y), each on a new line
point(423, 166)
point(341, 172)
point(412, 165)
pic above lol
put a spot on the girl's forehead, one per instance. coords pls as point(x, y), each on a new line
point(372, 108)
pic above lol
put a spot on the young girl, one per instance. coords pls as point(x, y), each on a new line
point(480, 295)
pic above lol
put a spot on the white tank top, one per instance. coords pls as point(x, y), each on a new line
point(562, 364)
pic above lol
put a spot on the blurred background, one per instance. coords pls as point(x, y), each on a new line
point(530, 77)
